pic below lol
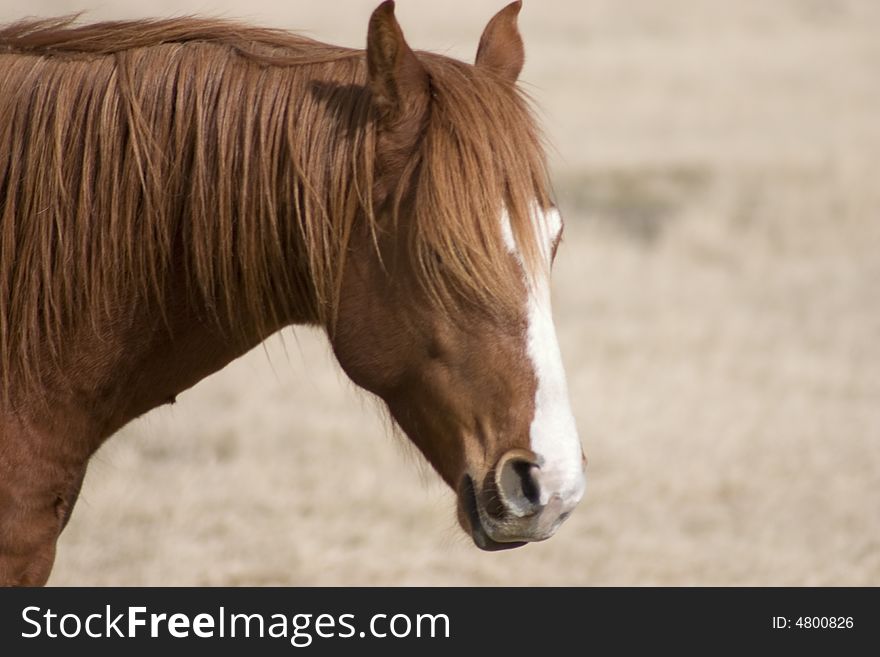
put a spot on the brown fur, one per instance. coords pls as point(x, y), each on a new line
point(249, 152)
point(174, 191)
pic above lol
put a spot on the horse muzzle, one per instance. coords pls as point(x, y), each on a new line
point(521, 500)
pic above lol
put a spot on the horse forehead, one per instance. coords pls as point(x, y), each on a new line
point(547, 224)
point(549, 221)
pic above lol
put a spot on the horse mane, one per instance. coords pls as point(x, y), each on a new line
point(244, 156)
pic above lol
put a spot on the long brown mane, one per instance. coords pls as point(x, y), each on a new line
point(243, 156)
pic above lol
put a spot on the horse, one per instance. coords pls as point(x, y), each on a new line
point(174, 191)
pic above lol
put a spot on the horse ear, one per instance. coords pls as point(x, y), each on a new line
point(501, 47)
point(396, 77)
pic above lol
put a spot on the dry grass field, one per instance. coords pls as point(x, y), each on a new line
point(717, 299)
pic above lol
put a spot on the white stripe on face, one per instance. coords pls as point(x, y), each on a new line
point(553, 432)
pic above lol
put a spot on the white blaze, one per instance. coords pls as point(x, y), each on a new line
point(553, 432)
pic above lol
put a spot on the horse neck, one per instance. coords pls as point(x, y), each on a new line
point(171, 331)
point(319, 179)
point(193, 336)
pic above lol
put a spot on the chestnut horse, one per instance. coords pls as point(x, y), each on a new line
point(172, 192)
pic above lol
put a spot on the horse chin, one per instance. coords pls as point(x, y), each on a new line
point(469, 518)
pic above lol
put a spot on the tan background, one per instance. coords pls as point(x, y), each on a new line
point(717, 301)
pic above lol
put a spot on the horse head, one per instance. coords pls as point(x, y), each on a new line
point(444, 309)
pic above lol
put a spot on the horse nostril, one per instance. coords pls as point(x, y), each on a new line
point(525, 472)
point(518, 486)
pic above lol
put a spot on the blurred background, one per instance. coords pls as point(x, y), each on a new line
point(717, 299)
